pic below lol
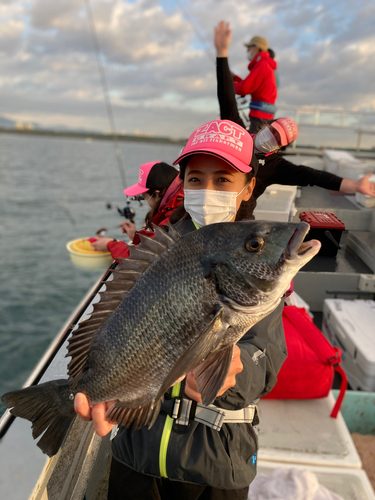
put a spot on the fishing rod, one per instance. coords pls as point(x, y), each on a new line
point(103, 81)
point(198, 34)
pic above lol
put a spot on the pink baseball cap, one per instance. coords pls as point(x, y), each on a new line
point(223, 139)
point(155, 175)
point(287, 129)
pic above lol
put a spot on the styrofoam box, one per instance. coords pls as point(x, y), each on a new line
point(331, 157)
point(317, 163)
point(302, 431)
point(351, 170)
point(364, 199)
point(344, 164)
point(276, 205)
point(350, 325)
point(350, 484)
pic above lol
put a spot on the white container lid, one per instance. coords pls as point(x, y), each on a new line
point(275, 204)
point(357, 319)
point(302, 431)
point(335, 155)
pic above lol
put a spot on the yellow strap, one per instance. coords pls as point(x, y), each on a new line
point(166, 435)
point(196, 225)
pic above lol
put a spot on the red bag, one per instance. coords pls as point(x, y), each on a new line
point(309, 369)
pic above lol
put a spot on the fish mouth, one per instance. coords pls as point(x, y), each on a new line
point(297, 249)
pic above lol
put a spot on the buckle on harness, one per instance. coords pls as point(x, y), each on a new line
point(171, 407)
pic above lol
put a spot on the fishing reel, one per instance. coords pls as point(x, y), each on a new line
point(127, 212)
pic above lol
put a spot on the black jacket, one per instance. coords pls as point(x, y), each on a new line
point(224, 459)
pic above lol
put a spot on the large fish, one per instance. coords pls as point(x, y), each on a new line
point(175, 304)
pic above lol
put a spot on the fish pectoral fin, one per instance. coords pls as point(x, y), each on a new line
point(211, 374)
point(123, 414)
point(207, 341)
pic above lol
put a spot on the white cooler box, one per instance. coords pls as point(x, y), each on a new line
point(350, 325)
point(344, 164)
point(350, 484)
point(276, 204)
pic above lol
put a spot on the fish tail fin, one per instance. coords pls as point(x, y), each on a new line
point(50, 408)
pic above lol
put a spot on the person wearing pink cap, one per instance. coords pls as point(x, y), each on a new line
point(274, 168)
point(194, 458)
point(159, 184)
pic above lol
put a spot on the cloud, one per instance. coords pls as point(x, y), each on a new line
point(160, 63)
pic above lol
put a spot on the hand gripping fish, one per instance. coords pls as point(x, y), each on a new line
point(177, 304)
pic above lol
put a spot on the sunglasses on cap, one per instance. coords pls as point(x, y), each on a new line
point(138, 197)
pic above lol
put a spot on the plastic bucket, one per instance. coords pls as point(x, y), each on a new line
point(83, 255)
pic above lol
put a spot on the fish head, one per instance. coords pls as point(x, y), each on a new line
point(254, 262)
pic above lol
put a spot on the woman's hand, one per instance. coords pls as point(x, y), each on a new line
point(129, 229)
point(100, 245)
point(365, 186)
point(222, 39)
point(96, 413)
point(236, 367)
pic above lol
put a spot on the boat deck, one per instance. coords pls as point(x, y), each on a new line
point(21, 462)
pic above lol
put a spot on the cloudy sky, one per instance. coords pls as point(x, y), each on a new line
point(159, 58)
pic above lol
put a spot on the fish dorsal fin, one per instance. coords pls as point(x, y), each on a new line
point(166, 237)
point(130, 270)
point(132, 264)
point(80, 341)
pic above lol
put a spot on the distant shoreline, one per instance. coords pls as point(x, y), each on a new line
point(300, 149)
point(96, 136)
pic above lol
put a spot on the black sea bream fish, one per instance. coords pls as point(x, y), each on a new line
point(175, 303)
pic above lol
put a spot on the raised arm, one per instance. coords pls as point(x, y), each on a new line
point(225, 87)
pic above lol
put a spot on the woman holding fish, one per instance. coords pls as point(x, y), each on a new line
point(186, 454)
point(184, 340)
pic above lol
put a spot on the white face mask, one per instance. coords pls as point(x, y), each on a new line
point(207, 206)
point(265, 141)
point(251, 54)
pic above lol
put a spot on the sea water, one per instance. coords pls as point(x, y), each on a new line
point(53, 190)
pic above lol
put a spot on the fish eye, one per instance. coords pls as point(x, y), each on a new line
point(255, 244)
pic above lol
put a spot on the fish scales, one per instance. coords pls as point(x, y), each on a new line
point(140, 328)
point(191, 304)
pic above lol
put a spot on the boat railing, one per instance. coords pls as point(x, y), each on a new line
point(7, 418)
point(360, 123)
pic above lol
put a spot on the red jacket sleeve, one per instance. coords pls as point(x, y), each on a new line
point(251, 82)
point(120, 248)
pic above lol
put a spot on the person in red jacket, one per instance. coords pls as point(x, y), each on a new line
point(273, 167)
point(260, 84)
point(162, 188)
